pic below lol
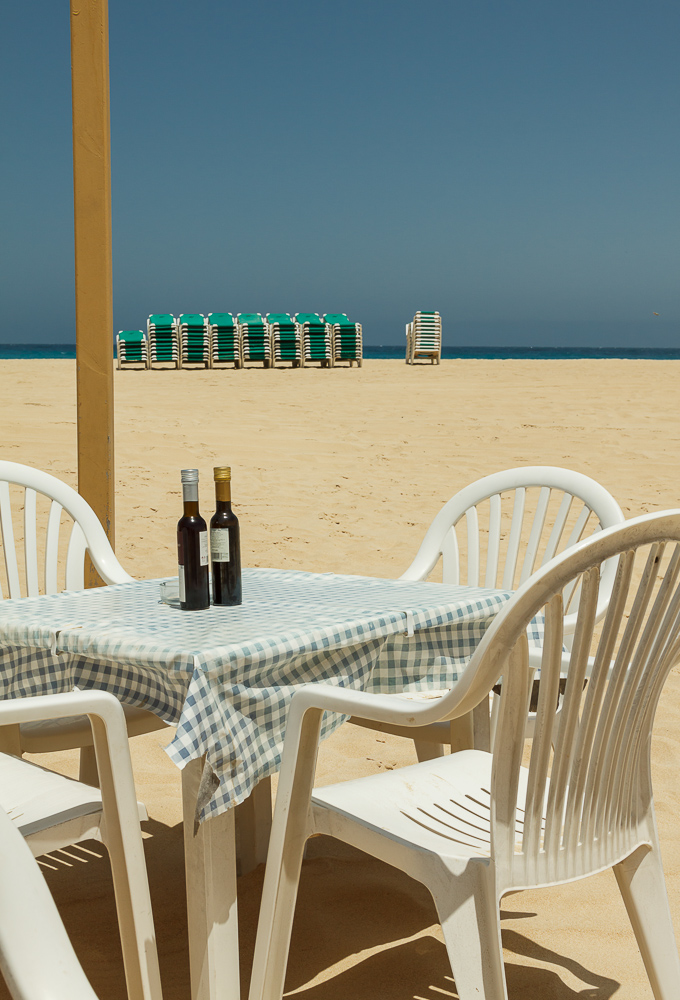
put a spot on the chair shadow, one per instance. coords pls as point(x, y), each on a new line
point(420, 970)
point(350, 904)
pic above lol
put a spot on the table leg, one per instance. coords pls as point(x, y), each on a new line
point(253, 826)
point(210, 864)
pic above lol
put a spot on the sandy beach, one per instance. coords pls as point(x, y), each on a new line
point(342, 470)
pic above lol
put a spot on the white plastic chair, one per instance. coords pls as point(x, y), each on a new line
point(474, 826)
point(27, 915)
point(51, 812)
point(41, 574)
point(505, 535)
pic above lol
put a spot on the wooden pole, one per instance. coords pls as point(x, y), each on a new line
point(94, 283)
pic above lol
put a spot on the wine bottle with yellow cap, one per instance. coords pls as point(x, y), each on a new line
point(225, 544)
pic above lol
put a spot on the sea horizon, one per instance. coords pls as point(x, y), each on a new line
point(16, 352)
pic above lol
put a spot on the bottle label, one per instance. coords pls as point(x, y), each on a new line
point(182, 587)
point(219, 544)
point(203, 547)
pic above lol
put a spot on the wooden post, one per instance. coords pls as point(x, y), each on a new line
point(94, 291)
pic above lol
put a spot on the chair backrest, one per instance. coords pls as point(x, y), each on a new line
point(313, 318)
point(588, 803)
point(221, 319)
point(57, 543)
point(192, 319)
point(36, 957)
point(514, 522)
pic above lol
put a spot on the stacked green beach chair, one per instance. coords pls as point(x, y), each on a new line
point(424, 337)
point(286, 339)
point(131, 348)
point(316, 339)
point(194, 339)
point(255, 339)
point(225, 340)
point(346, 339)
point(163, 339)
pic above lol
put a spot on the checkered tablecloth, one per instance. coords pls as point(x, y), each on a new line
point(225, 676)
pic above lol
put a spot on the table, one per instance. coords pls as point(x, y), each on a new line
point(225, 677)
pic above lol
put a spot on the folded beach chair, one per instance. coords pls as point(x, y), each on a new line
point(424, 337)
point(286, 339)
point(131, 348)
point(316, 339)
point(194, 339)
point(255, 339)
point(346, 339)
point(163, 337)
point(225, 340)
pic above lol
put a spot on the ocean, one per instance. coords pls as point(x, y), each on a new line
point(20, 351)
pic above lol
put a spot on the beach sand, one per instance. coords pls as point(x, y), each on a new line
point(343, 470)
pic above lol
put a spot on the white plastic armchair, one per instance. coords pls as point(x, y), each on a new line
point(39, 572)
point(51, 812)
point(28, 915)
point(506, 526)
point(475, 825)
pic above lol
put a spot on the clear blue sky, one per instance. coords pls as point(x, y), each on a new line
point(513, 164)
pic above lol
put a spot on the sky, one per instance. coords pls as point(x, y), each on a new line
point(512, 164)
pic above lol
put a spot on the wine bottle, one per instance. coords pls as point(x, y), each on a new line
point(192, 549)
point(225, 544)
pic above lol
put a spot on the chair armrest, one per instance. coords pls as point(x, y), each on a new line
point(374, 707)
point(101, 704)
point(535, 655)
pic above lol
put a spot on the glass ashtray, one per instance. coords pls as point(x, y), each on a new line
point(169, 593)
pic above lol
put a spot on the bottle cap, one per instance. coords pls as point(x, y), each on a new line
point(189, 475)
point(222, 473)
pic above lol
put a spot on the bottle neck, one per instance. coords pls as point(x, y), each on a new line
point(223, 494)
point(190, 495)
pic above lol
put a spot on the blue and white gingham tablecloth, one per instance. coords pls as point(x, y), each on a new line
point(225, 676)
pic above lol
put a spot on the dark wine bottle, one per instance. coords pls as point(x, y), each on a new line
point(192, 549)
point(225, 543)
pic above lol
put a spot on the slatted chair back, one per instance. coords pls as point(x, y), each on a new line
point(46, 554)
point(501, 529)
point(586, 802)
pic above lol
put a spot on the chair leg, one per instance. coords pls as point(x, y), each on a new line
point(123, 839)
point(428, 751)
point(641, 881)
point(253, 827)
point(88, 772)
point(470, 919)
point(290, 830)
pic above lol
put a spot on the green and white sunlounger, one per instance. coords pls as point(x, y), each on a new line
point(225, 339)
point(131, 348)
point(163, 334)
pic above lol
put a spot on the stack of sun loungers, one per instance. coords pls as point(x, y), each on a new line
point(225, 339)
point(424, 337)
point(286, 339)
point(194, 339)
point(132, 347)
point(316, 339)
point(222, 338)
point(255, 339)
point(163, 339)
point(346, 339)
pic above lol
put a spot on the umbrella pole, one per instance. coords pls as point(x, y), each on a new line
point(93, 270)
